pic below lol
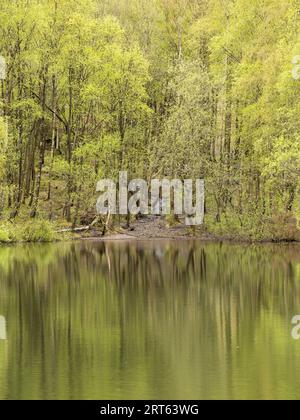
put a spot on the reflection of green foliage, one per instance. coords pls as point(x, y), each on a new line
point(37, 257)
point(154, 320)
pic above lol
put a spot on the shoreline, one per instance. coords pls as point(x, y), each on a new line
point(116, 236)
point(156, 228)
point(120, 237)
point(146, 230)
point(124, 238)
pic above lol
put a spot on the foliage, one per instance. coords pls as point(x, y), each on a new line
point(4, 235)
point(38, 231)
point(168, 88)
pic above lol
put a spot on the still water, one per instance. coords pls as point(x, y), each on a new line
point(149, 320)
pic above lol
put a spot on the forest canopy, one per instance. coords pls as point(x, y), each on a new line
point(160, 88)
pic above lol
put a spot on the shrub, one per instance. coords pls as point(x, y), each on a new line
point(172, 220)
point(283, 227)
point(4, 235)
point(38, 231)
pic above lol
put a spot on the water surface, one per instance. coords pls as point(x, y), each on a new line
point(149, 320)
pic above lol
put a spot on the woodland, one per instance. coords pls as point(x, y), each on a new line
point(181, 89)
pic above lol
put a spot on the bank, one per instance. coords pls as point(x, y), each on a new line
point(283, 229)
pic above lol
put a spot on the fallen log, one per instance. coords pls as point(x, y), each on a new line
point(79, 229)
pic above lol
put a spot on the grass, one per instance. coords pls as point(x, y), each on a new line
point(4, 235)
point(30, 231)
point(38, 231)
point(282, 227)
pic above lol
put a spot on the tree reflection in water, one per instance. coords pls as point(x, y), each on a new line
point(162, 319)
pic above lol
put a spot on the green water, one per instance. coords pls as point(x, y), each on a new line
point(149, 320)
